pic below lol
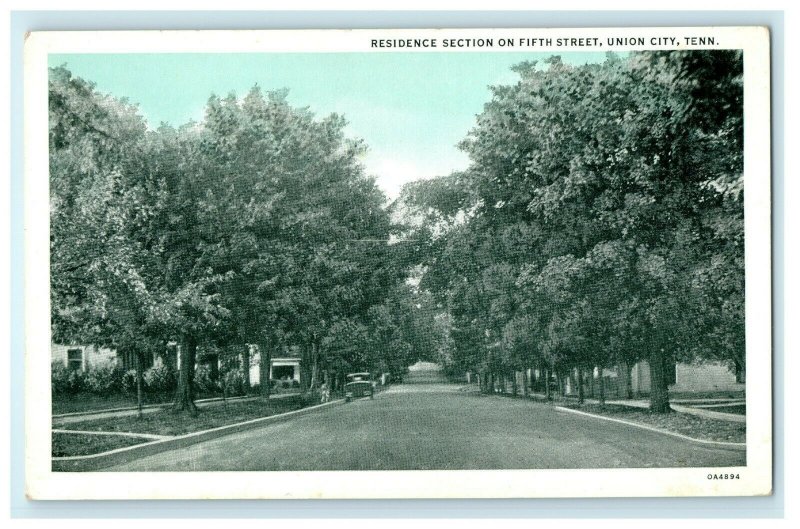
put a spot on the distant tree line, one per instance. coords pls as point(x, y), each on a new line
point(600, 222)
point(254, 227)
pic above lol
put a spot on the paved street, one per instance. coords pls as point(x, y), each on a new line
point(436, 426)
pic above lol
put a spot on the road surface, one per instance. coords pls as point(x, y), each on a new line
point(436, 426)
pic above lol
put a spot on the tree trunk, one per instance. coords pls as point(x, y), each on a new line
point(305, 368)
point(223, 383)
point(525, 389)
point(265, 359)
point(628, 380)
point(581, 396)
point(314, 366)
point(246, 367)
point(667, 366)
point(184, 397)
point(213, 366)
point(659, 397)
point(547, 384)
point(602, 383)
point(591, 383)
point(139, 383)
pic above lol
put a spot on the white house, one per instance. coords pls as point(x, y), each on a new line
point(81, 357)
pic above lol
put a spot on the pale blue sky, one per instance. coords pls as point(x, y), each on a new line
point(410, 108)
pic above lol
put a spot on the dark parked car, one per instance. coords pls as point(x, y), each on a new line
point(358, 385)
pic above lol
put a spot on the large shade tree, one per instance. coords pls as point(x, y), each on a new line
point(612, 192)
point(256, 226)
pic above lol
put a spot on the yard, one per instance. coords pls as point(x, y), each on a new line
point(70, 444)
point(682, 423)
point(83, 402)
point(166, 422)
point(86, 402)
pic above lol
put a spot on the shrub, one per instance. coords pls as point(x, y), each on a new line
point(128, 382)
point(77, 381)
point(65, 381)
point(295, 384)
point(203, 381)
point(234, 383)
point(160, 379)
point(58, 378)
point(286, 384)
point(104, 379)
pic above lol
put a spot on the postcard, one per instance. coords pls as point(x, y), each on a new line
point(406, 263)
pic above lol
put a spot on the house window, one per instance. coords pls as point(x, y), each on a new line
point(75, 359)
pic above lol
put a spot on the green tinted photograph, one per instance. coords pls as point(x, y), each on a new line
point(397, 260)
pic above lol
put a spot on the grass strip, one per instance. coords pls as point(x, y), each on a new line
point(167, 422)
point(70, 444)
point(682, 423)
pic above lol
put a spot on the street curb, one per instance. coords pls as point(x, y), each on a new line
point(111, 434)
point(725, 444)
point(130, 453)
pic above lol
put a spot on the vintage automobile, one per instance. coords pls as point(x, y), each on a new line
point(358, 385)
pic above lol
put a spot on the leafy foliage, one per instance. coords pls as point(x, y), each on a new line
point(160, 379)
point(256, 226)
point(600, 221)
point(65, 381)
point(104, 379)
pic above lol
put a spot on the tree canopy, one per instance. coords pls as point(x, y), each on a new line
point(599, 223)
point(256, 226)
point(600, 220)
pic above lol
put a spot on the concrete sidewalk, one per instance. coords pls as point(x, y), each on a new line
point(676, 405)
point(708, 414)
point(698, 412)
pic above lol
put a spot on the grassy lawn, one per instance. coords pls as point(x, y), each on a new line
point(698, 427)
point(84, 402)
point(90, 402)
point(70, 444)
point(166, 422)
point(738, 409)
